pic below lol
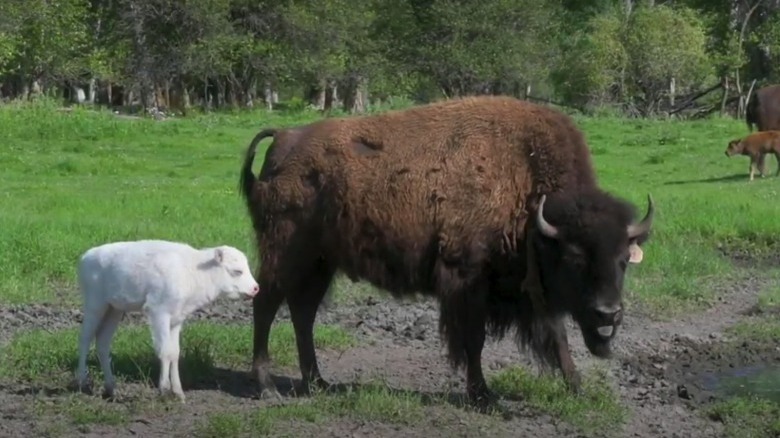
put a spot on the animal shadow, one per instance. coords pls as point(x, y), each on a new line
point(289, 387)
point(729, 178)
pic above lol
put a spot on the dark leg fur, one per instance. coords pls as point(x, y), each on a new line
point(264, 308)
point(545, 337)
point(462, 324)
point(304, 302)
point(563, 356)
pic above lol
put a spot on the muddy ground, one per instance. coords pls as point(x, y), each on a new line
point(660, 370)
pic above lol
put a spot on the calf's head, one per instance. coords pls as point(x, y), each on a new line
point(584, 243)
point(734, 147)
point(234, 278)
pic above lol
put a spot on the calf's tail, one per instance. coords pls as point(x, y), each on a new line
point(248, 178)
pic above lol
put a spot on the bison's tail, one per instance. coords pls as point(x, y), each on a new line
point(247, 177)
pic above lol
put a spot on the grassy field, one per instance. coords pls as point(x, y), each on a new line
point(71, 180)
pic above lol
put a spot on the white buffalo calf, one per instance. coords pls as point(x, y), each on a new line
point(168, 281)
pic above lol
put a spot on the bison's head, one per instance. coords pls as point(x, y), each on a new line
point(734, 147)
point(583, 246)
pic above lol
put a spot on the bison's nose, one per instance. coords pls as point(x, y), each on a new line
point(611, 315)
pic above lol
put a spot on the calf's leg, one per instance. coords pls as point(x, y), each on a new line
point(92, 316)
point(104, 336)
point(762, 164)
point(777, 157)
point(174, 360)
point(161, 339)
point(303, 302)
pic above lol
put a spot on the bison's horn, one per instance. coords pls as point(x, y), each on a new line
point(635, 230)
point(545, 227)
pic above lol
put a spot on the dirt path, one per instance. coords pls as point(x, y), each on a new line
point(657, 370)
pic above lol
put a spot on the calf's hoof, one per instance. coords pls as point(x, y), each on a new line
point(109, 394)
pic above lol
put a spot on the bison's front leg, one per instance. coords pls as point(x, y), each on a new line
point(476, 386)
point(563, 356)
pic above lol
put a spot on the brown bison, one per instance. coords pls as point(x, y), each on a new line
point(763, 110)
point(756, 146)
point(437, 200)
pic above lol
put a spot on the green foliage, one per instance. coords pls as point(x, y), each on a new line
point(227, 52)
point(53, 35)
point(617, 59)
point(664, 43)
point(594, 64)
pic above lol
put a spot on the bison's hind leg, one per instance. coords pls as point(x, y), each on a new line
point(303, 301)
point(265, 305)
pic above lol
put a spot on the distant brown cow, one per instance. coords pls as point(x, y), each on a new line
point(763, 109)
point(756, 146)
point(436, 200)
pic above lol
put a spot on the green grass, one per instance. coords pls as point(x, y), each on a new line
point(758, 329)
point(597, 409)
point(371, 402)
point(41, 356)
point(748, 417)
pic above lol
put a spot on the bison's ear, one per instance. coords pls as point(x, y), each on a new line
point(635, 253)
point(219, 255)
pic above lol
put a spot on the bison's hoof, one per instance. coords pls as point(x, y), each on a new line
point(270, 394)
point(483, 400)
point(574, 383)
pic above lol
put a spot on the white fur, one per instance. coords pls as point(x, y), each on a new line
point(167, 281)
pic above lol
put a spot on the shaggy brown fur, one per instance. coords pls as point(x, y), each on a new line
point(436, 200)
point(764, 109)
point(757, 146)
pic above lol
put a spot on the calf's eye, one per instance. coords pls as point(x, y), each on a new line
point(237, 272)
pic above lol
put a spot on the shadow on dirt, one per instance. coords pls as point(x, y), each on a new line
point(728, 178)
point(292, 388)
point(747, 259)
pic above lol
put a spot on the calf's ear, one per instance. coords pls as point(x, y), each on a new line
point(218, 255)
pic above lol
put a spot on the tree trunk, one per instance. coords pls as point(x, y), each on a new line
point(356, 98)
point(331, 95)
point(725, 96)
point(268, 96)
point(92, 90)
